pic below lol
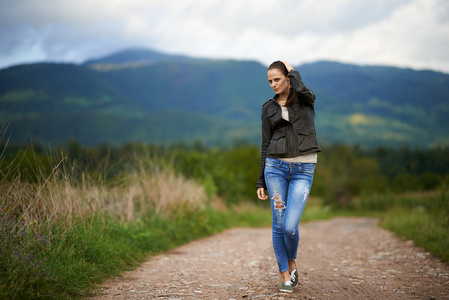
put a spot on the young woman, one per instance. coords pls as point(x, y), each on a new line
point(289, 155)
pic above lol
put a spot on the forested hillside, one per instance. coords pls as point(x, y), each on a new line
point(145, 96)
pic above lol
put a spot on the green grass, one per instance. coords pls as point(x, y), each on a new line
point(426, 229)
point(70, 262)
point(420, 217)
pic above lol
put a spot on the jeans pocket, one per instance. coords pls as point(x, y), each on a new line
point(308, 168)
point(271, 163)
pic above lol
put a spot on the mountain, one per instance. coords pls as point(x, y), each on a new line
point(378, 105)
point(146, 96)
point(132, 58)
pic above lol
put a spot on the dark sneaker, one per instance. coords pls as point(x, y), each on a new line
point(286, 287)
point(294, 276)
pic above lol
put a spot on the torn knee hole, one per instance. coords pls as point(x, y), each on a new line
point(279, 204)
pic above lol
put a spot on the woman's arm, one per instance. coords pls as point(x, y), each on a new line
point(298, 86)
point(266, 137)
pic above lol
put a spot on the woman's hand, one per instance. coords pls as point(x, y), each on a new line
point(261, 194)
point(287, 65)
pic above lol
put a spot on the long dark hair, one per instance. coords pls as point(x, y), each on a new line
point(280, 66)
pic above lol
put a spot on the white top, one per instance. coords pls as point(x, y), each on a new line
point(307, 158)
point(284, 113)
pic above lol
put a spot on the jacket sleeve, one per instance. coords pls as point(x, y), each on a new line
point(299, 87)
point(266, 137)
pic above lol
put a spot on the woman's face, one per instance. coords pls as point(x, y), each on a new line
point(278, 81)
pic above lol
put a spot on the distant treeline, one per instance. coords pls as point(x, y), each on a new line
point(343, 172)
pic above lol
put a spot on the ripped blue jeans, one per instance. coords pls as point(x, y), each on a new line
point(288, 187)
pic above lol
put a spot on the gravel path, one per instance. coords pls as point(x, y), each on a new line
point(343, 258)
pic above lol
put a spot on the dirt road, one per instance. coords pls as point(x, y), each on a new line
point(343, 258)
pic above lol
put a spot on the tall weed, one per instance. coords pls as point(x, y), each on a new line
point(66, 229)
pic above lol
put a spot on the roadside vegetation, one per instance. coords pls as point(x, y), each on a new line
point(71, 217)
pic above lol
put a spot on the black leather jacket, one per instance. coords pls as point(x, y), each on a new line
point(281, 138)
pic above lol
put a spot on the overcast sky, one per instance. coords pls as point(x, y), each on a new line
point(404, 33)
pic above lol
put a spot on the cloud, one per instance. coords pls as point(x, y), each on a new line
point(411, 33)
point(417, 35)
